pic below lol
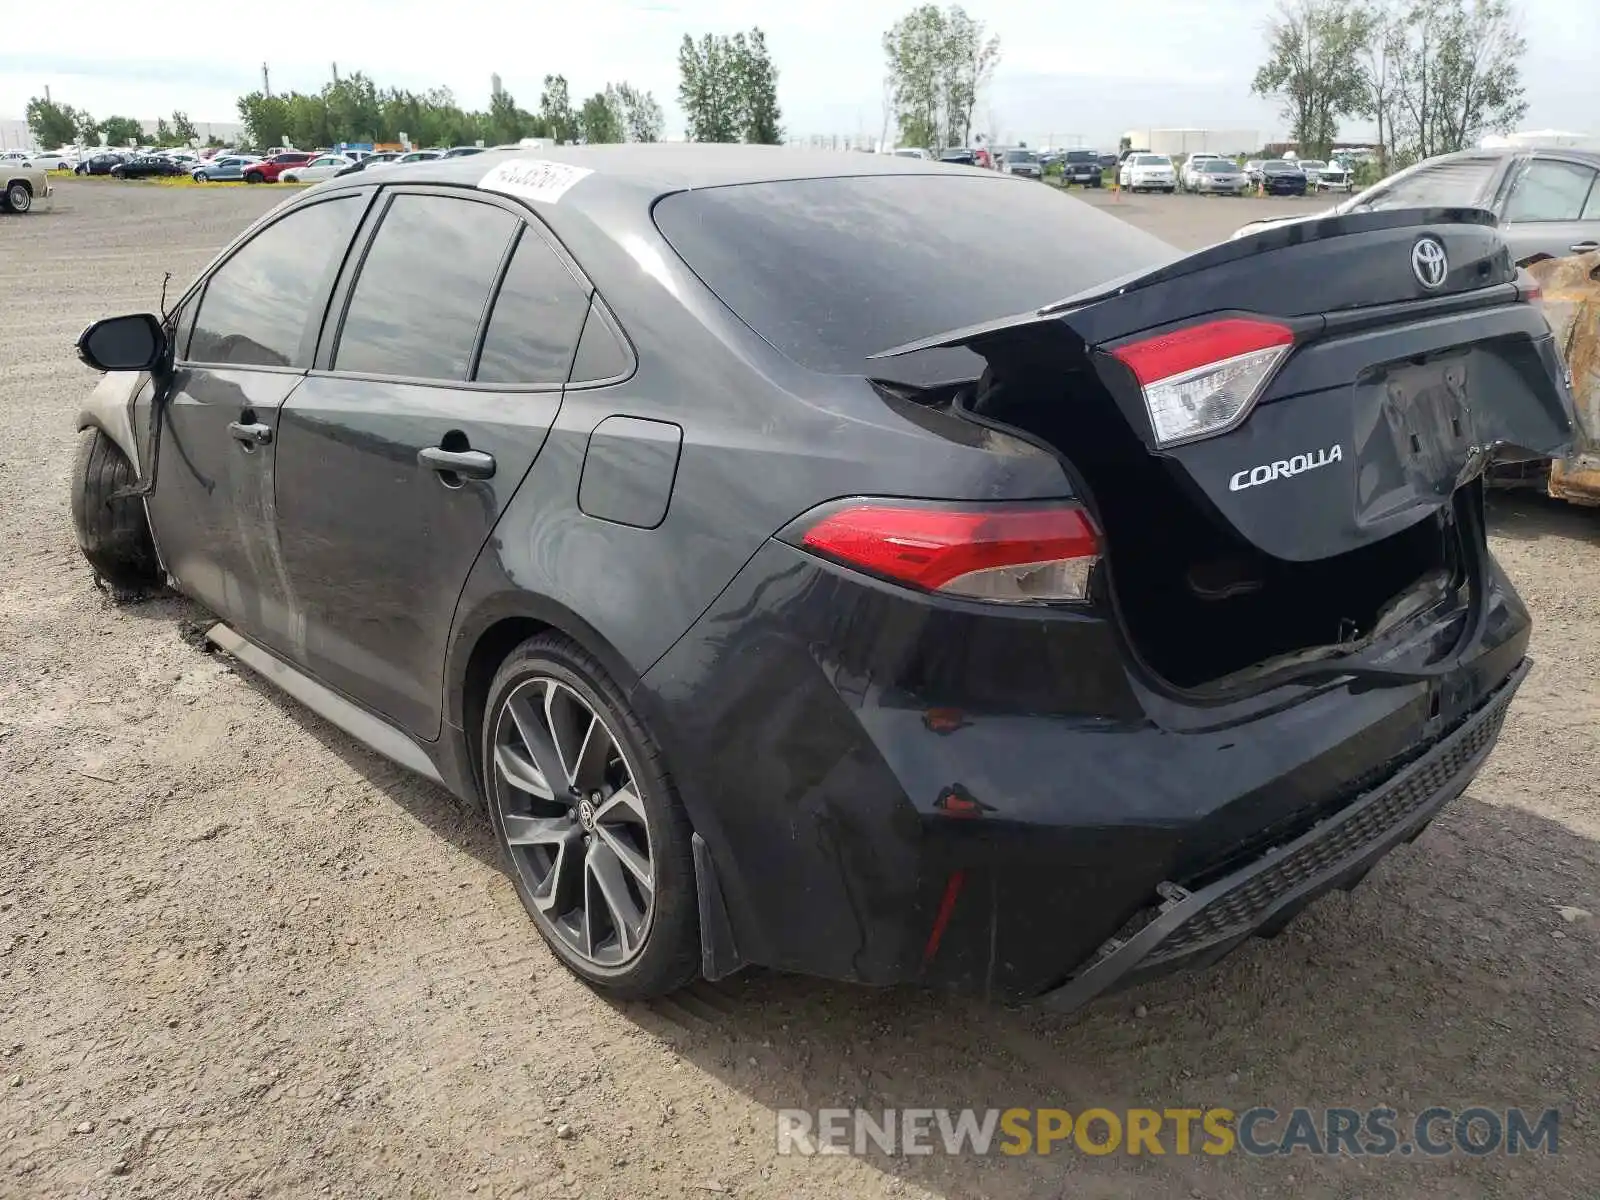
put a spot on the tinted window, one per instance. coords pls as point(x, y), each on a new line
point(423, 288)
point(537, 318)
point(1082, 156)
point(1454, 184)
point(257, 304)
point(833, 270)
point(1550, 191)
point(1218, 168)
point(601, 353)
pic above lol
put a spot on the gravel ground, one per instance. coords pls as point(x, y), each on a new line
point(242, 956)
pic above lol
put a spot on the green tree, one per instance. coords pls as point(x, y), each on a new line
point(728, 87)
point(756, 89)
point(54, 125)
point(183, 128)
point(1314, 68)
point(1458, 75)
point(164, 135)
point(120, 131)
point(640, 114)
point(265, 119)
point(706, 90)
point(599, 120)
point(939, 61)
point(556, 108)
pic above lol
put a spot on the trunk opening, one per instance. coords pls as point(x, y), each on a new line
point(1199, 603)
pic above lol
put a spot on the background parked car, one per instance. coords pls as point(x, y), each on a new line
point(960, 157)
point(225, 167)
point(1219, 177)
point(55, 160)
point(1081, 166)
point(147, 166)
point(420, 156)
point(98, 164)
point(1280, 177)
point(1335, 177)
point(324, 166)
point(370, 160)
point(268, 170)
point(1149, 172)
point(1192, 165)
point(1252, 171)
point(1021, 161)
point(23, 187)
point(462, 151)
point(1313, 168)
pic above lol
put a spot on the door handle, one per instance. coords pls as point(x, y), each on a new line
point(1584, 247)
point(474, 464)
point(253, 434)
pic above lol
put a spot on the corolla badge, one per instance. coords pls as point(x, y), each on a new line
point(1428, 262)
point(1284, 468)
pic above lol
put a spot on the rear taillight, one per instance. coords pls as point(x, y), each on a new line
point(1008, 554)
point(1202, 380)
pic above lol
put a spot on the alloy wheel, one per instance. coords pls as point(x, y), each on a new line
point(574, 822)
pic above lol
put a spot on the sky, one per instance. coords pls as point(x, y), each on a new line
point(1070, 73)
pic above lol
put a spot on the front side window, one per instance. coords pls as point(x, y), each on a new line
point(536, 320)
point(420, 298)
point(257, 305)
point(1551, 190)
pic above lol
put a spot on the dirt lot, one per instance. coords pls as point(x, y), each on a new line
point(239, 955)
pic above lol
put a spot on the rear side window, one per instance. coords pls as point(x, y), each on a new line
point(423, 288)
point(1550, 190)
point(257, 305)
point(831, 271)
point(1455, 184)
point(536, 320)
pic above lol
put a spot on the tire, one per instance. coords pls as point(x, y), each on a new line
point(201, 177)
point(254, 177)
point(118, 173)
point(19, 197)
point(549, 674)
point(113, 534)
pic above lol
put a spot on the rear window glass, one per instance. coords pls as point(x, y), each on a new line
point(831, 271)
point(1151, 160)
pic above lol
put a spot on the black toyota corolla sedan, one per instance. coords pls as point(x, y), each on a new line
point(794, 584)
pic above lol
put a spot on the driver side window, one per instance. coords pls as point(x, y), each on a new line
point(257, 306)
point(1551, 190)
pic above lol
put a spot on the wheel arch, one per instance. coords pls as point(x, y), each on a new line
point(494, 628)
point(23, 180)
point(109, 408)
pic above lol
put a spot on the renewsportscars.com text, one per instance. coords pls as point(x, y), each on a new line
point(1372, 1132)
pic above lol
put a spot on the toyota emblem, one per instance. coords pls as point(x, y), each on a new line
point(1429, 263)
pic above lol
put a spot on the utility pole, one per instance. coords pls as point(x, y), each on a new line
point(336, 72)
point(266, 82)
point(47, 93)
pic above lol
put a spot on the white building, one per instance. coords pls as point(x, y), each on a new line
point(1192, 141)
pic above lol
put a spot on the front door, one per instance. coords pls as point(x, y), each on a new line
point(397, 456)
point(247, 349)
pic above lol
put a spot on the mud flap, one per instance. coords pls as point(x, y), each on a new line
point(1571, 289)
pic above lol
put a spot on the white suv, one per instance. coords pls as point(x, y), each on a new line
point(1149, 172)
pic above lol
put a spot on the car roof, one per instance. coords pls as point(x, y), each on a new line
point(671, 167)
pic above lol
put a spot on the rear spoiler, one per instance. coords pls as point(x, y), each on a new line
point(1265, 240)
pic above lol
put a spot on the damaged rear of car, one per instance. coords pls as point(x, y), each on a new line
point(1269, 646)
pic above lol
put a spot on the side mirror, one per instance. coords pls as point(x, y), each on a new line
point(131, 343)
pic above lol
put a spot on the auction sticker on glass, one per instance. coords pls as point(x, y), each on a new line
point(533, 179)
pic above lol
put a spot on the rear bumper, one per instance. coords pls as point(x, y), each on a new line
point(895, 788)
point(1193, 929)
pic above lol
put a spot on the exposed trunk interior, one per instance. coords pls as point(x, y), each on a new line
point(1197, 601)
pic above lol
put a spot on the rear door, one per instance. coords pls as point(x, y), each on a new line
point(440, 374)
point(245, 346)
point(1553, 210)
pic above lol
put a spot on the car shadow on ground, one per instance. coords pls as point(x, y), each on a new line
point(1450, 967)
point(1450, 976)
point(1532, 515)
